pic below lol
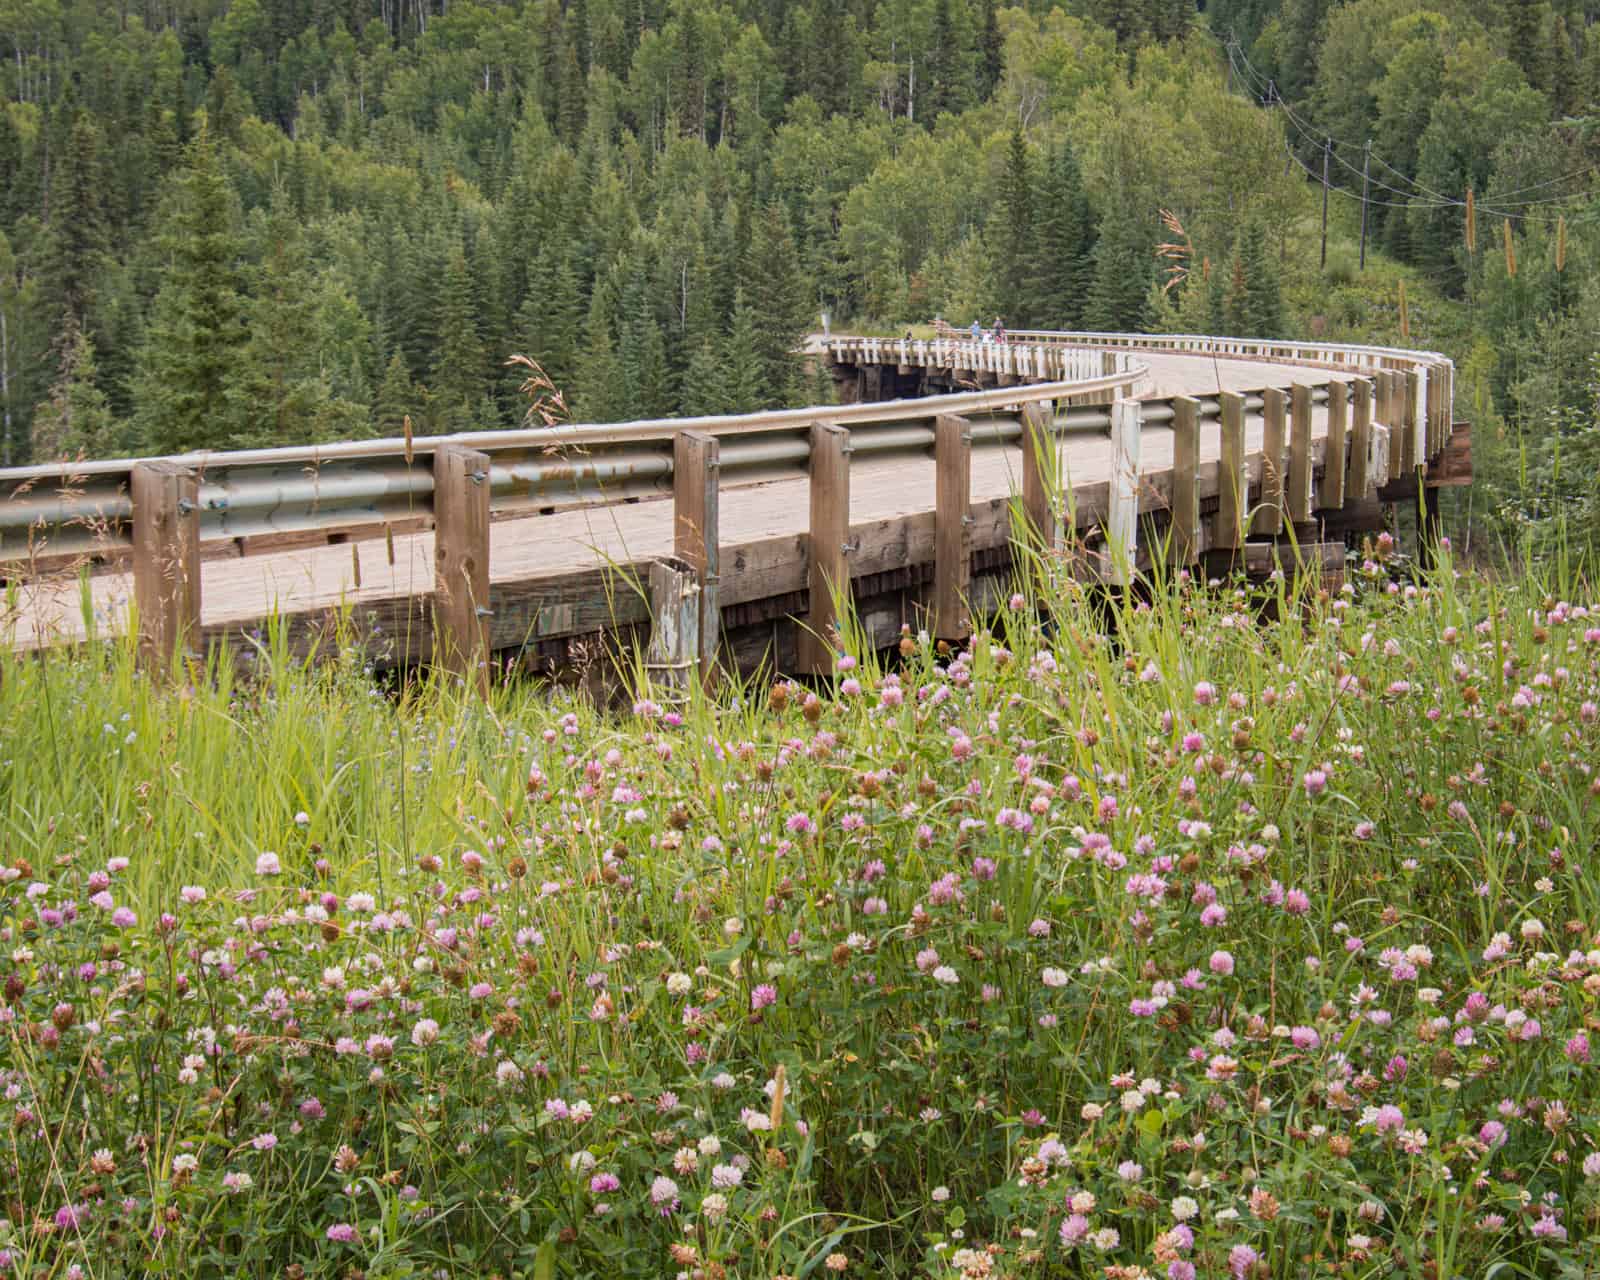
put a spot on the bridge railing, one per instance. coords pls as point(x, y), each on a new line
point(162, 512)
point(263, 499)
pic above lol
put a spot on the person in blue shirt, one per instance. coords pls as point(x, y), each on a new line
point(977, 331)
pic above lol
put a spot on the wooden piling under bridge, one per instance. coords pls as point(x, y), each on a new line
point(741, 536)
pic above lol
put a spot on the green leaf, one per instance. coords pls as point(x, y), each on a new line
point(544, 1262)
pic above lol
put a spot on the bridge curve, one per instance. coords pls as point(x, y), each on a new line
point(1154, 436)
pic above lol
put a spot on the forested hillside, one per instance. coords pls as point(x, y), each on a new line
point(270, 221)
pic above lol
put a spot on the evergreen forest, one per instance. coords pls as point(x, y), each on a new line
point(256, 222)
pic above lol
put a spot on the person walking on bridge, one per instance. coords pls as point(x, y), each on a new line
point(977, 331)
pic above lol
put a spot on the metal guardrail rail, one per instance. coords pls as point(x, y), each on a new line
point(85, 508)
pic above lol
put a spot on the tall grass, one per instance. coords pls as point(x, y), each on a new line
point(1196, 930)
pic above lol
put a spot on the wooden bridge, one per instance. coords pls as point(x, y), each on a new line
point(741, 532)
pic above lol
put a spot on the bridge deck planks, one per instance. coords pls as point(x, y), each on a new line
point(531, 556)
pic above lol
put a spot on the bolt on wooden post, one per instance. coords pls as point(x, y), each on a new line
point(828, 563)
point(952, 527)
point(461, 613)
point(696, 472)
point(166, 561)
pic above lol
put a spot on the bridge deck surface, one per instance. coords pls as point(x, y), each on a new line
point(560, 545)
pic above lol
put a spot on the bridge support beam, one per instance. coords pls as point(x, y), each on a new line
point(166, 561)
point(461, 613)
point(952, 528)
point(696, 475)
point(828, 568)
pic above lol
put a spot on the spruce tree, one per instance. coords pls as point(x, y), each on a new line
point(396, 399)
point(1263, 300)
point(599, 395)
point(779, 305)
point(1065, 228)
point(991, 52)
point(196, 330)
point(457, 377)
point(743, 385)
point(76, 421)
point(78, 251)
point(1015, 241)
point(1119, 293)
point(704, 381)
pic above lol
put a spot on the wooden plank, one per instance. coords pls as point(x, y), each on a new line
point(1358, 478)
point(1268, 517)
point(461, 562)
point(1038, 476)
point(828, 569)
point(1233, 482)
point(1331, 495)
point(1299, 497)
point(1122, 525)
point(696, 477)
point(166, 561)
point(1413, 451)
point(952, 554)
point(1185, 480)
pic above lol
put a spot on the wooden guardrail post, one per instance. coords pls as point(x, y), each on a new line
point(1122, 518)
point(1412, 451)
point(952, 527)
point(1331, 496)
point(1038, 474)
point(1233, 481)
point(828, 572)
point(696, 474)
point(1299, 506)
point(166, 560)
point(1185, 480)
point(674, 647)
point(1358, 479)
point(461, 613)
point(1392, 418)
point(1268, 518)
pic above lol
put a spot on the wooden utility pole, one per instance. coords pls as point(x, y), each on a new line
point(1366, 170)
point(1327, 154)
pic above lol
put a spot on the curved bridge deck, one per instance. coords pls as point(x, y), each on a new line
point(568, 550)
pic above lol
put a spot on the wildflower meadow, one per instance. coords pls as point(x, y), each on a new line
point(1221, 931)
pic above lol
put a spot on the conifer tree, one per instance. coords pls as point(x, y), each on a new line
point(599, 395)
point(1066, 235)
point(396, 399)
point(743, 385)
point(1119, 292)
point(196, 331)
point(991, 51)
point(1263, 301)
point(457, 377)
point(76, 421)
point(78, 247)
point(1015, 241)
point(780, 309)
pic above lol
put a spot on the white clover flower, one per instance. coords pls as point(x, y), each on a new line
point(1184, 1208)
point(679, 984)
point(710, 1146)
